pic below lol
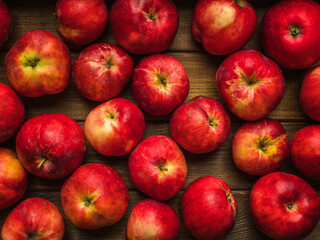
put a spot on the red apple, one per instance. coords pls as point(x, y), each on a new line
point(34, 218)
point(200, 125)
point(5, 22)
point(51, 145)
point(290, 33)
point(284, 206)
point(305, 151)
point(208, 208)
point(81, 22)
point(144, 27)
point(309, 95)
point(250, 84)
point(101, 71)
point(115, 127)
point(151, 220)
point(13, 178)
point(223, 26)
point(260, 147)
point(38, 63)
point(12, 112)
point(160, 84)
point(94, 196)
point(158, 168)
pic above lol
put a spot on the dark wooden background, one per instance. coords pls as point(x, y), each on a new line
point(201, 68)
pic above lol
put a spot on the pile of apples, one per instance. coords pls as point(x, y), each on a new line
point(251, 85)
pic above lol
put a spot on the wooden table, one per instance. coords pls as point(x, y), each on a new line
point(201, 68)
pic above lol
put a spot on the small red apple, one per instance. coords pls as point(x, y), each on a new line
point(158, 168)
point(101, 71)
point(5, 22)
point(34, 218)
point(260, 147)
point(38, 63)
point(13, 178)
point(115, 127)
point(309, 95)
point(223, 26)
point(284, 206)
point(94, 196)
point(200, 125)
point(305, 151)
point(160, 84)
point(12, 112)
point(144, 27)
point(81, 22)
point(290, 33)
point(208, 208)
point(250, 84)
point(51, 145)
point(151, 220)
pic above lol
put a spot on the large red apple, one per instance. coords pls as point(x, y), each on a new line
point(223, 26)
point(305, 151)
point(51, 145)
point(34, 218)
point(208, 208)
point(13, 178)
point(101, 71)
point(38, 63)
point(151, 220)
point(94, 196)
point(158, 168)
point(309, 95)
point(81, 22)
point(115, 127)
point(200, 125)
point(160, 84)
point(260, 147)
point(144, 27)
point(250, 84)
point(5, 22)
point(12, 112)
point(290, 33)
point(284, 206)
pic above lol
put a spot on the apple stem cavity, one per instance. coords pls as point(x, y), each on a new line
point(251, 80)
point(240, 3)
point(161, 80)
point(152, 16)
point(42, 162)
point(88, 201)
point(163, 169)
point(294, 31)
point(32, 236)
point(31, 62)
point(109, 63)
point(213, 122)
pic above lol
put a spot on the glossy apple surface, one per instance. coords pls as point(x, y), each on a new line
point(34, 218)
point(51, 145)
point(144, 27)
point(250, 84)
point(284, 206)
point(305, 151)
point(101, 71)
point(223, 26)
point(12, 112)
point(94, 196)
point(38, 63)
point(158, 168)
point(13, 178)
point(289, 33)
point(81, 22)
point(115, 127)
point(260, 147)
point(200, 125)
point(208, 208)
point(5, 22)
point(151, 220)
point(160, 84)
point(310, 91)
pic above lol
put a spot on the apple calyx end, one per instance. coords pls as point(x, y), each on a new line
point(213, 122)
point(291, 206)
point(163, 168)
point(294, 31)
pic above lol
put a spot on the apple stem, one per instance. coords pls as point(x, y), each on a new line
point(42, 162)
point(152, 15)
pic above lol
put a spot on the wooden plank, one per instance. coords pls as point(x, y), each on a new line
point(201, 69)
point(218, 163)
point(243, 229)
